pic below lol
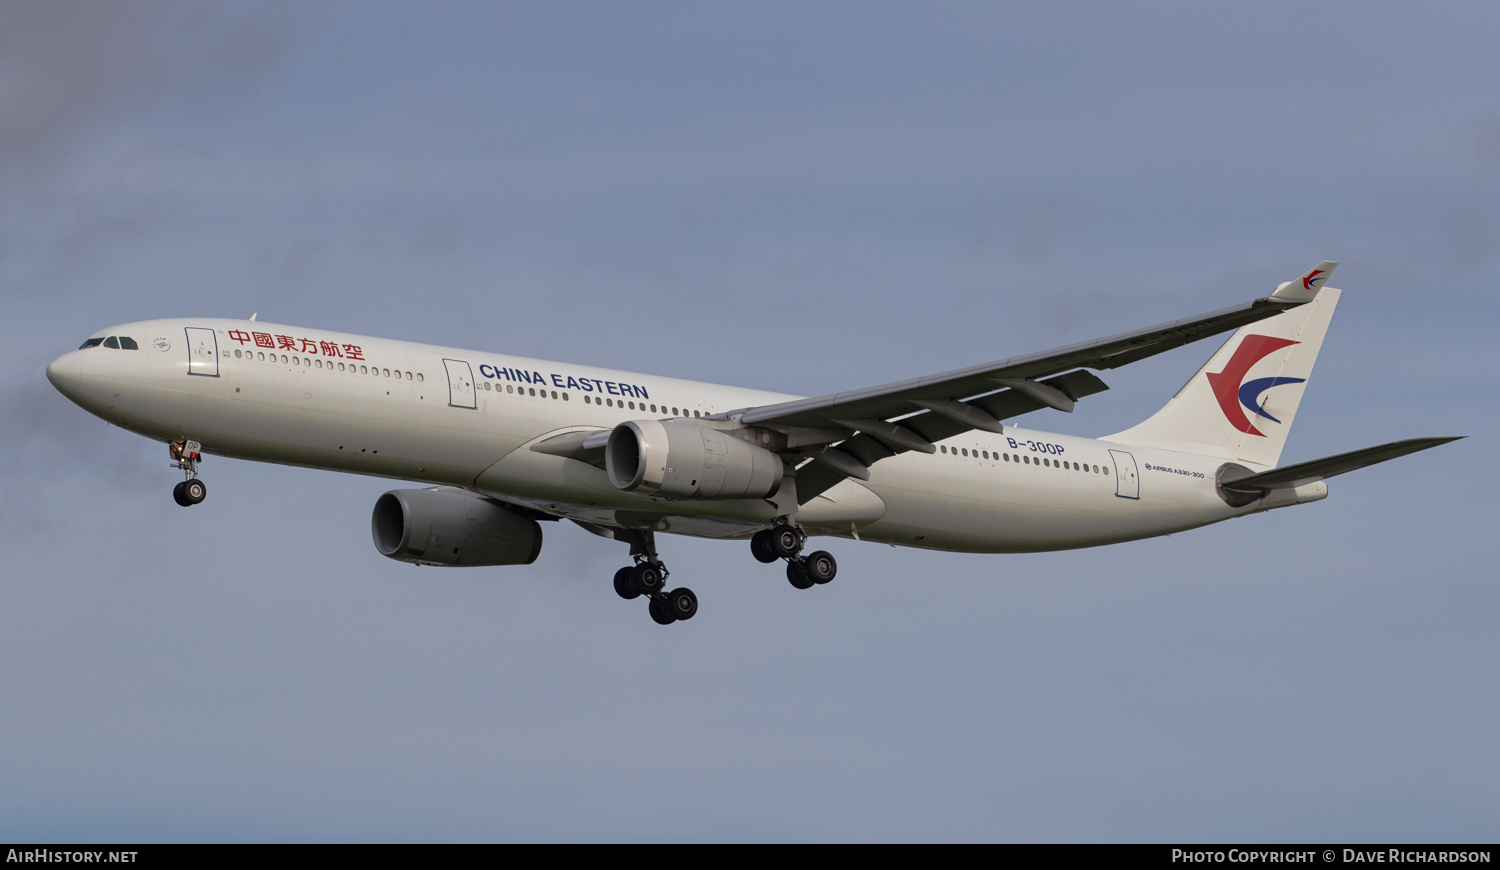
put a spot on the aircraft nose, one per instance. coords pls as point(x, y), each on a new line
point(65, 372)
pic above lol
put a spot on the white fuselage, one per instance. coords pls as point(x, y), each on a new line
point(464, 418)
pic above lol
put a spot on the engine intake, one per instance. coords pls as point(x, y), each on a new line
point(687, 461)
point(452, 527)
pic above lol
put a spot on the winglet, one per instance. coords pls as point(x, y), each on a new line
point(1305, 288)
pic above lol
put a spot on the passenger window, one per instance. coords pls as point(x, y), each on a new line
point(236, 354)
point(420, 378)
point(386, 372)
point(554, 394)
point(92, 342)
point(1027, 459)
point(128, 343)
point(509, 388)
point(675, 414)
point(1007, 456)
point(112, 342)
point(296, 361)
point(408, 376)
point(532, 390)
point(565, 397)
point(696, 414)
point(1106, 469)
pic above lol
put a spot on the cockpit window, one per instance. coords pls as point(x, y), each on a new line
point(128, 344)
point(93, 342)
point(112, 342)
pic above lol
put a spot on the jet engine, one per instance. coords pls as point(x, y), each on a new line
point(452, 527)
point(679, 459)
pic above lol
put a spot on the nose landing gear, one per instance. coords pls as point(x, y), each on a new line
point(186, 456)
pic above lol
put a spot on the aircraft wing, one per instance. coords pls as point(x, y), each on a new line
point(914, 413)
point(1322, 469)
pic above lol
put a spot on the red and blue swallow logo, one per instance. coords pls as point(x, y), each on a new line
point(1234, 392)
point(1312, 278)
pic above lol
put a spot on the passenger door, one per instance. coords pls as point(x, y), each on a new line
point(460, 384)
point(203, 352)
point(1127, 480)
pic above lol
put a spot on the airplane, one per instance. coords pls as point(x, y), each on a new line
point(504, 443)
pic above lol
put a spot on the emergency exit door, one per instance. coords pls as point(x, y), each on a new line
point(203, 352)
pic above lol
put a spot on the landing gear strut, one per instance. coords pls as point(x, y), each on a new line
point(785, 541)
point(648, 577)
point(186, 456)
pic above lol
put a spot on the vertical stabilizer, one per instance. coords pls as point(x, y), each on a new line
point(1241, 404)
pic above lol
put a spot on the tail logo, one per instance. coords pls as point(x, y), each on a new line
point(1312, 278)
point(1235, 393)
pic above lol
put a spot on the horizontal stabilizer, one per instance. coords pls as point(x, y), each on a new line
point(1320, 469)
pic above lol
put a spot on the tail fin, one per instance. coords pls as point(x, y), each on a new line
point(1241, 404)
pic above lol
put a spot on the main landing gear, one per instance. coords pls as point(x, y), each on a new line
point(785, 541)
point(648, 577)
point(186, 456)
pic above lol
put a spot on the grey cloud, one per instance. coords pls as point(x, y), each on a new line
point(67, 65)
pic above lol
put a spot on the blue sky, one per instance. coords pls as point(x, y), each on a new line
point(798, 197)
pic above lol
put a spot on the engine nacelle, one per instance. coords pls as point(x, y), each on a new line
point(687, 461)
point(452, 527)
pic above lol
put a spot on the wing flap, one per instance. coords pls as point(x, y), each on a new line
point(890, 400)
point(815, 479)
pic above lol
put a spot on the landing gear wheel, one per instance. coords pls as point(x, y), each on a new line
point(660, 613)
point(648, 578)
point(797, 575)
point(820, 566)
point(625, 583)
point(786, 541)
point(760, 545)
point(177, 495)
point(194, 491)
point(682, 603)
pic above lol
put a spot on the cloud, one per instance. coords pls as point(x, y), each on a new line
point(67, 65)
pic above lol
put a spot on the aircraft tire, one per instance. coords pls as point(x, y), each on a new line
point(821, 567)
point(682, 603)
point(647, 578)
point(760, 545)
point(625, 583)
point(194, 491)
point(786, 541)
point(797, 576)
point(178, 496)
point(659, 612)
